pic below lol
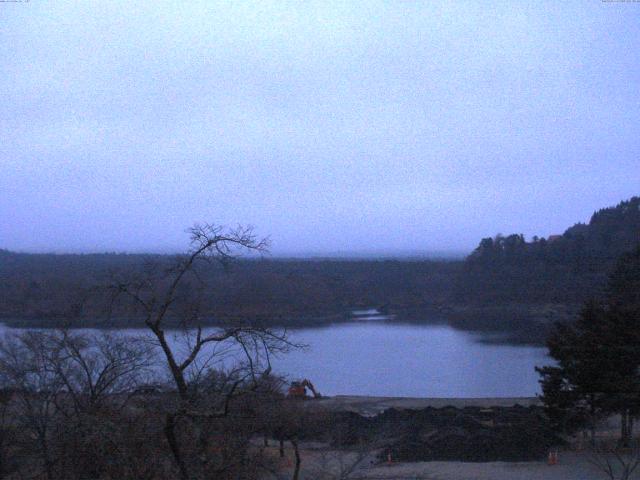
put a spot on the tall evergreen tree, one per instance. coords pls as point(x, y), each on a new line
point(598, 357)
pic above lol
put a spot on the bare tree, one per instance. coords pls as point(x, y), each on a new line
point(63, 382)
point(97, 368)
point(24, 371)
point(614, 462)
point(71, 393)
point(172, 295)
point(8, 435)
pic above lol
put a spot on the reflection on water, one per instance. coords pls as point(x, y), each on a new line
point(370, 314)
point(407, 360)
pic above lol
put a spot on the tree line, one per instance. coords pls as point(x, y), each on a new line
point(506, 273)
point(567, 268)
point(51, 289)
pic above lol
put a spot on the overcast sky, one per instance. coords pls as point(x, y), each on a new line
point(375, 127)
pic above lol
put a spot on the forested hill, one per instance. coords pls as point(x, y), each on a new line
point(562, 268)
point(506, 270)
point(69, 287)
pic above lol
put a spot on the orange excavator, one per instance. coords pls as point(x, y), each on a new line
point(298, 389)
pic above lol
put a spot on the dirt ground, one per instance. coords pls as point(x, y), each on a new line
point(321, 462)
point(324, 464)
point(571, 466)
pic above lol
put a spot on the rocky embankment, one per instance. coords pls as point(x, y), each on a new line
point(414, 429)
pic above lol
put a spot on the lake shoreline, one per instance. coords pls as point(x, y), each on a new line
point(506, 324)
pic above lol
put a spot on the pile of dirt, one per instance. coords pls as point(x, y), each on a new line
point(468, 434)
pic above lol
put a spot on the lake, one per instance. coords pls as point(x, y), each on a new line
point(408, 360)
point(389, 359)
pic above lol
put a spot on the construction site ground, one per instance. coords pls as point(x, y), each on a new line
point(326, 464)
point(321, 461)
point(366, 406)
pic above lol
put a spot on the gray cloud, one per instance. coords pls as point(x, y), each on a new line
point(370, 126)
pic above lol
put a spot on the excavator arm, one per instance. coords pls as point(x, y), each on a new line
point(309, 385)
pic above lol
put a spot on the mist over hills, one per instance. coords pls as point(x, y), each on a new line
point(501, 272)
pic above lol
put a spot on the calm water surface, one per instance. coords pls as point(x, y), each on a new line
point(407, 360)
point(387, 359)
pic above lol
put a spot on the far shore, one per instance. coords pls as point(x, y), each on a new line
point(511, 324)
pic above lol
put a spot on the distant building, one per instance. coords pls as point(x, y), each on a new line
point(553, 238)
